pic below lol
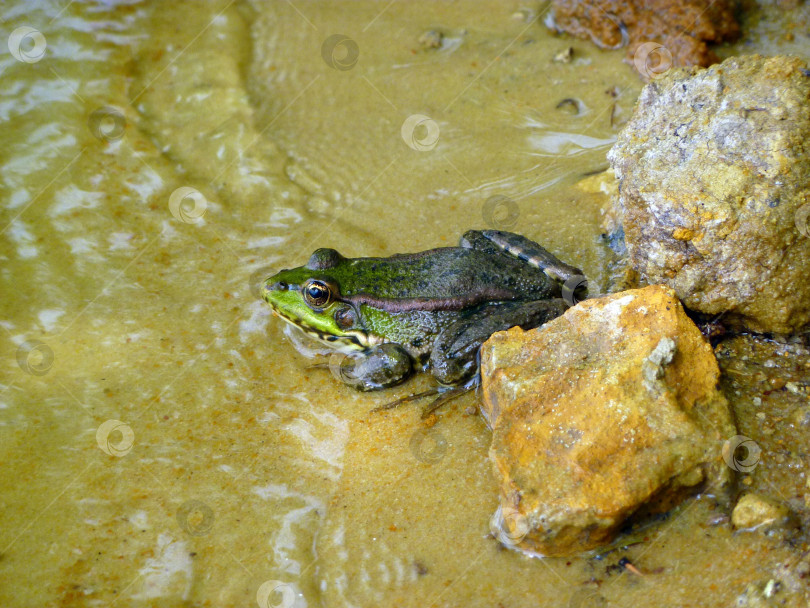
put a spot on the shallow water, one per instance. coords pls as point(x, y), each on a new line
point(162, 442)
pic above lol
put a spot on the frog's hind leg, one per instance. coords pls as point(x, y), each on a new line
point(475, 239)
point(454, 356)
point(498, 241)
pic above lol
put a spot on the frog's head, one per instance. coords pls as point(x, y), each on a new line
point(309, 298)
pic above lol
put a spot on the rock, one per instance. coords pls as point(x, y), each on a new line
point(714, 189)
point(610, 410)
point(564, 56)
point(431, 39)
point(681, 28)
point(756, 511)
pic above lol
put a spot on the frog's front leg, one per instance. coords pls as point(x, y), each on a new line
point(501, 242)
point(376, 368)
point(454, 357)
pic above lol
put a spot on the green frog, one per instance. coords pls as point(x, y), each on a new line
point(430, 310)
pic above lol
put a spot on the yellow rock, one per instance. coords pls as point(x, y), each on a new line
point(754, 511)
point(603, 412)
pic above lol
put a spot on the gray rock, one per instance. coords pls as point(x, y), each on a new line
point(714, 189)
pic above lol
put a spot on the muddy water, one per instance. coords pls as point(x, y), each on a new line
point(162, 442)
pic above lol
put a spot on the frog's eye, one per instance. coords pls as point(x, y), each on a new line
point(316, 293)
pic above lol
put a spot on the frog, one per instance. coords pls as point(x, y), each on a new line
point(425, 311)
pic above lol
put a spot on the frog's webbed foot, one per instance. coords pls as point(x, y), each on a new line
point(445, 395)
point(407, 399)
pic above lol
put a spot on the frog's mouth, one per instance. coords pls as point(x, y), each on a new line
point(350, 340)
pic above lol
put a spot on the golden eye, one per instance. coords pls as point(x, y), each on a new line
point(316, 293)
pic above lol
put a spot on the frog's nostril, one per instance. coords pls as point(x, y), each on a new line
point(268, 288)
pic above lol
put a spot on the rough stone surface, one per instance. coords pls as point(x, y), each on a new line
point(755, 511)
point(714, 189)
point(683, 28)
point(608, 411)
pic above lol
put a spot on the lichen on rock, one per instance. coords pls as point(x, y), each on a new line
point(607, 411)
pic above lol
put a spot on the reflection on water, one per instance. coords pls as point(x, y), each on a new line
point(567, 144)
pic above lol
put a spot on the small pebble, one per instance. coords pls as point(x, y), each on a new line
point(755, 511)
point(564, 56)
point(431, 39)
point(524, 14)
point(718, 519)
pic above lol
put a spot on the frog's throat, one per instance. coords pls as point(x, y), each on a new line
point(354, 340)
